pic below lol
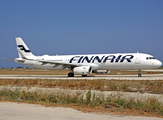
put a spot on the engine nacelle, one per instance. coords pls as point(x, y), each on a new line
point(101, 71)
point(82, 70)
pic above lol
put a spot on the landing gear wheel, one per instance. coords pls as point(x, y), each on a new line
point(70, 74)
point(84, 75)
point(139, 73)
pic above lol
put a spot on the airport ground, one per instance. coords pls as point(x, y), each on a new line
point(125, 83)
point(21, 111)
point(22, 73)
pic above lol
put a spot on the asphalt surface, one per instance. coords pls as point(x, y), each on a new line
point(107, 77)
point(15, 111)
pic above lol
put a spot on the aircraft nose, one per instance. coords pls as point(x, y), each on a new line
point(159, 63)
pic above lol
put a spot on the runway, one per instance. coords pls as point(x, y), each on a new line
point(95, 77)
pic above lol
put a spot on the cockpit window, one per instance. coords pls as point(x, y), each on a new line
point(150, 58)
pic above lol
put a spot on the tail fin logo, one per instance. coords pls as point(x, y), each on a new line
point(23, 48)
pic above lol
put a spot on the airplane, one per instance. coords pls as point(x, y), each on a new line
point(86, 64)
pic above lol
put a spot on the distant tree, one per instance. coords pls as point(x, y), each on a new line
point(12, 68)
point(19, 67)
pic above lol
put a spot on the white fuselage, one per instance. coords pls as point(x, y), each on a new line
point(119, 61)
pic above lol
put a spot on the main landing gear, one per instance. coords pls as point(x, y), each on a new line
point(139, 73)
point(84, 75)
point(70, 74)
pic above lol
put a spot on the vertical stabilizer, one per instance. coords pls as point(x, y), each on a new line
point(23, 50)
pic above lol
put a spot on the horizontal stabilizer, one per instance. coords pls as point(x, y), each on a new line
point(16, 60)
point(8, 59)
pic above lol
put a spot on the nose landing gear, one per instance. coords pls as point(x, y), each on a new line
point(139, 73)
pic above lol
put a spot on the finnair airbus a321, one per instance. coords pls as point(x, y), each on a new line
point(86, 64)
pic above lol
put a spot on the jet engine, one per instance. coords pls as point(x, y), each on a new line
point(82, 70)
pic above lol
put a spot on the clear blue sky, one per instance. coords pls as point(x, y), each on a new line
point(81, 27)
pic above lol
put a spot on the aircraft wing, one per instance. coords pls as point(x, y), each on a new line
point(56, 63)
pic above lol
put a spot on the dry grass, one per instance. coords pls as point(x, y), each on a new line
point(113, 104)
point(154, 86)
